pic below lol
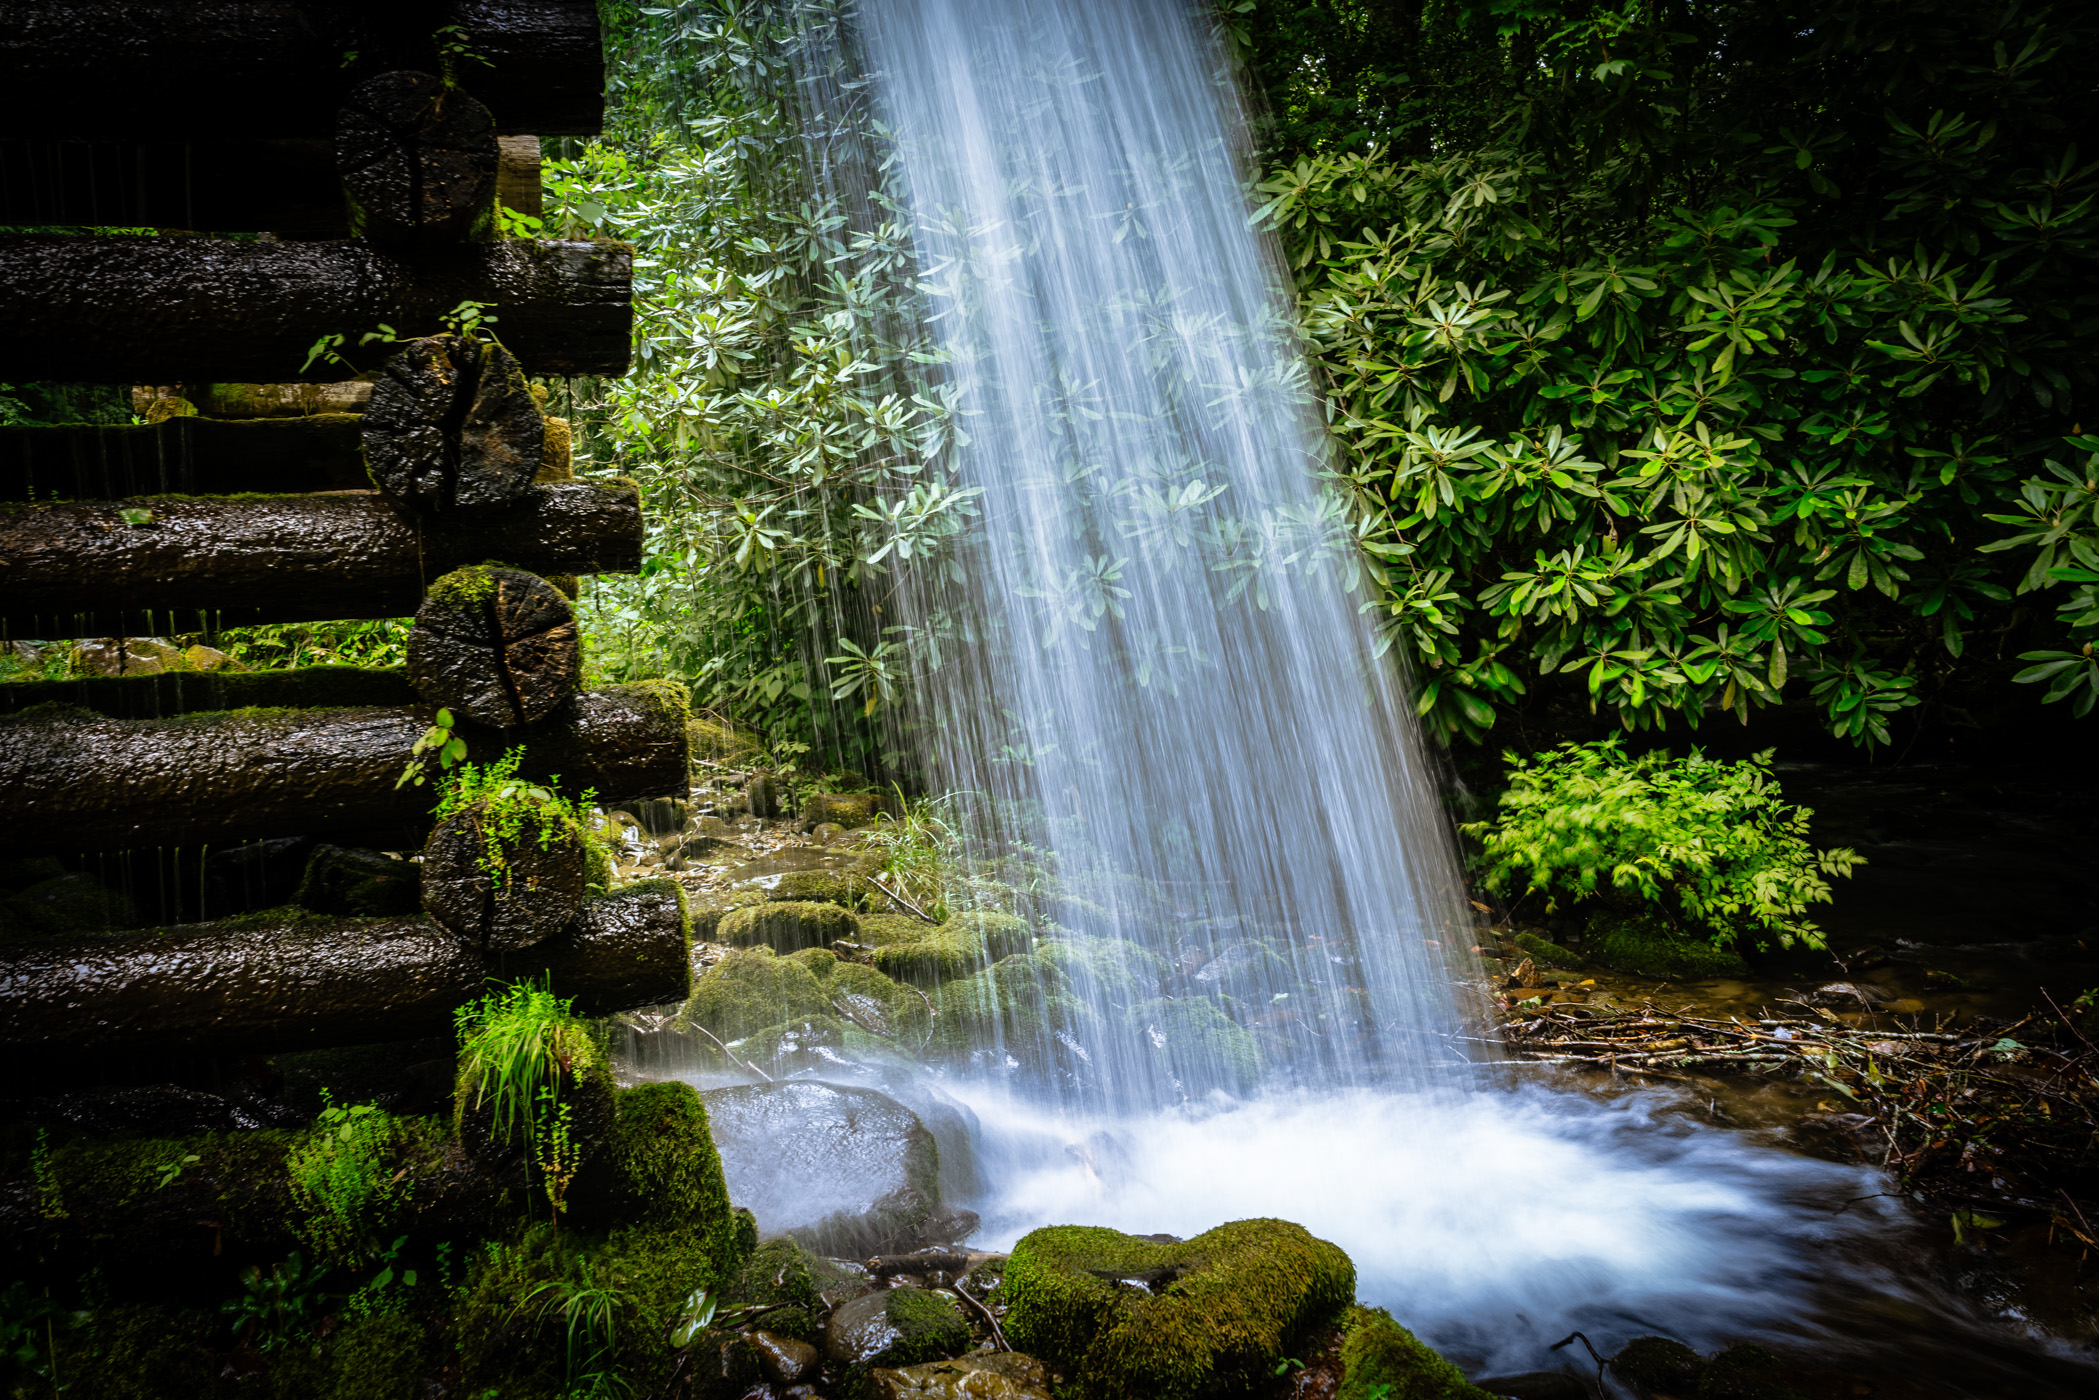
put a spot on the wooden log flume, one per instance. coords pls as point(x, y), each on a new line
point(197, 69)
point(152, 310)
point(251, 986)
point(187, 692)
point(496, 646)
point(73, 781)
point(89, 569)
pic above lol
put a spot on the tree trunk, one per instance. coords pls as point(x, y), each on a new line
point(418, 161)
point(187, 692)
point(452, 425)
point(252, 986)
point(196, 69)
point(186, 456)
point(85, 569)
point(287, 187)
point(145, 310)
point(72, 781)
point(539, 891)
point(495, 645)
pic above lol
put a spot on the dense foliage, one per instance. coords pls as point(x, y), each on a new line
point(1710, 846)
point(1697, 356)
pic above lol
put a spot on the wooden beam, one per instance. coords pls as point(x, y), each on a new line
point(146, 310)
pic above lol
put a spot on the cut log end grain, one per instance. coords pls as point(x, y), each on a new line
point(497, 645)
point(452, 425)
point(540, 889)
point(418, 160)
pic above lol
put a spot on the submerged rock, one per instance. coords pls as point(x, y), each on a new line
point(846, 1171)
point(995, 1375)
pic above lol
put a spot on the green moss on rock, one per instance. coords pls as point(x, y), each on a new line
point(1016, 1004)
point(721, 743)
point(1223, 1308)
point(1658, 1363)
point(137, 1353)
point(1548, 953)
point(1382, 1360)
point(752, 988)
point(840, 887)
point(787, 926)
point(936, 955)
point(1645, 947)
point(1202, 1045)
point(658, 1169)
point(1119, 971)
point(881, 930)
point(850, 810)
point(708, 910)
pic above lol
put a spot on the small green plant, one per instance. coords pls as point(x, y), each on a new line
point(278, 1306)
point(50, 1200)
point(918, 850)
point(439, 745)
point(512, 224)
point(1710, 847)
point(389, 1290)
point(171, 1170)
point(29, 1324)
point(517, 1047)
point(452, 50)
point(590, 1312)
point(348, 1179)
point(694, 1318)
point(510, 810)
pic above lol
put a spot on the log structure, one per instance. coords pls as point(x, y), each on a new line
point(328, 430)
point(138, 309)
point(111, 568)
point(220, 186)
point(188, 70)
point(497, 646)
point(74, 781)
point(247, 985)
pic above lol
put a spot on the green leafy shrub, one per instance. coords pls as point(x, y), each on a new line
point(1708, 846)
point(347, 1179)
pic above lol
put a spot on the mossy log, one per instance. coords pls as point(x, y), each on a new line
point(264, 400)
point(285, 980)
point(418, 161)
point(197, 69)
point(186, 692)
point(73, 781)
point(498, 646)
point(452, 426)
point(289, 186)
point(186, 456)
point(89, 569)
point(139, 309)
point(541, 888)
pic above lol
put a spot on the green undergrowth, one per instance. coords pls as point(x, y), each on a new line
point(526, 1062)
point(509, 811)
point(350, 1178)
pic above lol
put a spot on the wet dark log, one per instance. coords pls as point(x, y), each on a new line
point(497, 646)
point(85, 569)
point(73, 781)
point(186, 692)
point(252, 986)
point(262, 400)
point(140, 310)
point(191, 69)
point(452, 425)
point(288, 187)
point(540, 889)
point(418, 162)
point(188, 456)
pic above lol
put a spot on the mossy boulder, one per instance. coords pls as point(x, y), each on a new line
point(1658, 1364)
point(752, 988)
point(1744, 1372)
point(138, 1353)
point(787, 926)
point(1203, 1047)
point(658, 1169)
point(708, 910)
point(866, 997)
point(1547, 953)
point(1114, 970)
point(850, 810)
point(893, 1327)
point(936, 955)
point(841, 887)
point(1014, 1007)
point(1213, 1314)
point(781, 1271)
point(1382, 1360)
point(65, 904)
point(1646, 947)
point(880, 929)
point(718, 742)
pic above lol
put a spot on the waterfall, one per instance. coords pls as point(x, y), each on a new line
point(1151, 663)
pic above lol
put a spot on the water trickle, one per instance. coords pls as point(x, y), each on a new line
point(1151, 664)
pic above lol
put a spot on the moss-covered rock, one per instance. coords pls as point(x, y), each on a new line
point(1658, 1364)
point(379, 1358)
point(1003, 934)
point(752, 988)
point(1115, 970)
point(717, 742)
point(64, 904)
point(658, 1169)
point(936, 955)
point(787, 926)
point(1215, 1313)
point(1016, 1006)
point(708, 910)
point(1204, 1048)
point(845, 888)
point(1646, 947)
point(138, 1353)
point(882, 929)
point(1744, 1372)
point(850, 810)
point(1382, 1360)
point(781, 1271)
point(892, 1327)
point(1548, 953)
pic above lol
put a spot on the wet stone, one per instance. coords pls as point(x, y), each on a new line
point(998, 1375)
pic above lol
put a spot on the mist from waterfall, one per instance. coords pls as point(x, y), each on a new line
point(1150, 663)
